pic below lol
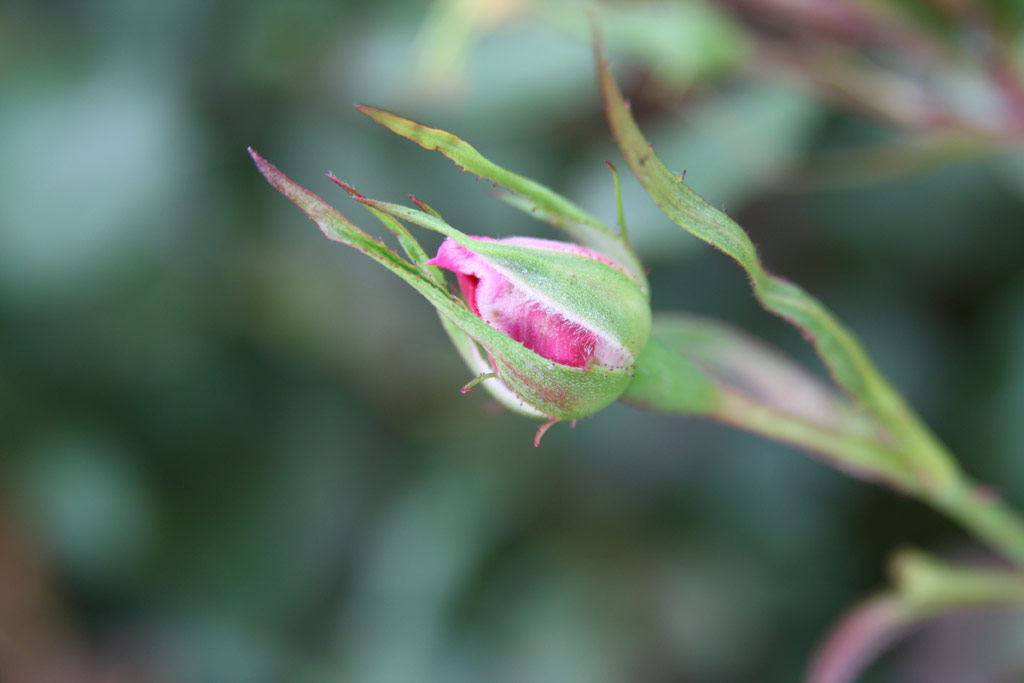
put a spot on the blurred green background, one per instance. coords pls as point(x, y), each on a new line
point(231, 450)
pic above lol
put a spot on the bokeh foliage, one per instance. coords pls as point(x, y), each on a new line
point(231, 450)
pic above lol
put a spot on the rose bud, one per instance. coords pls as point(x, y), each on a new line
point(581, 315)
point(551, 329)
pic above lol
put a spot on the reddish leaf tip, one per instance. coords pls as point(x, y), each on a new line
point(261, 163)
point(345, 186)
point(542, 430)
point(269, 171)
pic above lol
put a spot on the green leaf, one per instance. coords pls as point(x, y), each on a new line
point(838, 349)
point(555, 209)
point(409, 244)
point(335, 226)
point(696, 366)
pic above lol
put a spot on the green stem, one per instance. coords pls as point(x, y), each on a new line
point(977, 509)
point(856, 454)
point(946, 488)
point(692, 366)
point(928, 586)
point(981, 512)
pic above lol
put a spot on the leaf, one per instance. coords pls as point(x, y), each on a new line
point(735, 144)
point(554, 208)
point(409, 244)
point(696, 366)
point(335, 226)
point(838, 349)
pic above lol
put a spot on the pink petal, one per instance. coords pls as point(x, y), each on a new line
point(496, 299)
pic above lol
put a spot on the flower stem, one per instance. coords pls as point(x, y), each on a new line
point(976, 508)
point(983, 513)
point(945, 487)
point(693, 366)
point(855, 454)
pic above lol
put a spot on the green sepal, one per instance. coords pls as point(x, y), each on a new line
point(537, 200)
point(478, 364)
point(603, 297)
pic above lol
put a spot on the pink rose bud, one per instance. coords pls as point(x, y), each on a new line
point(571, 306)
point(552, 329)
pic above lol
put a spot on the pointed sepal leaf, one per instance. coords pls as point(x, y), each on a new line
point(536, 199)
